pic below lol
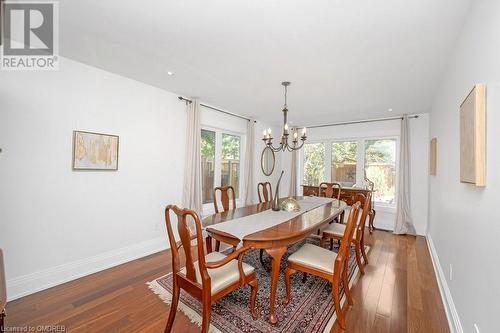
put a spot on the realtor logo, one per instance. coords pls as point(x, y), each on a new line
point(30, 35)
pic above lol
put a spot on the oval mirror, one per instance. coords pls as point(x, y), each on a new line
point(267, 161)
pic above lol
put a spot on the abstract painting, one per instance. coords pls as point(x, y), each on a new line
point(94, 151)
point(473, 137)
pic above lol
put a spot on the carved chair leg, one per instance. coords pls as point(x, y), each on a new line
point(371, 227)
point(207, 311)
point(254, 284)
point(288, 272)
point(217, 245)
point(173, 307)
point(331, 244)
point(358, 258)
point(261, 257)
point(363, 252)
point(336, 301)
point(345, 283)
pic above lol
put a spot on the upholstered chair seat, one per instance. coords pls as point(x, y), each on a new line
point(337, 229)
point(224, 276)
point(313, 256)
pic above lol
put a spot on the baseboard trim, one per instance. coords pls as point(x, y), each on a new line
point(31, 283)
point(449, 305)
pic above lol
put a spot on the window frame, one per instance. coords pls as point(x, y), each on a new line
point(360, 167)
point(208, 208)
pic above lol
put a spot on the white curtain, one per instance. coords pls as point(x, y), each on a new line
point(404, 223)
point(191, 194)
point(249, 161)
point(293, 174)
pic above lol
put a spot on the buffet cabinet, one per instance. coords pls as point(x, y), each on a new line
point(347, 194)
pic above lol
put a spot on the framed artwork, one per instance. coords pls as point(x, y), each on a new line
point(95, 151)
point(473, 137)
point(433, 156)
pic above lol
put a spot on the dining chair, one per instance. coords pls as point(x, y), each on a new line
point(225, 191)
point(331, 190)
point(209, 278)
point(337, 231)
point(266, 196)
point(3, 292)
point(265, 192)
point(326, 264)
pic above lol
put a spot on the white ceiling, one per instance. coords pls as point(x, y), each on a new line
point(346, 59)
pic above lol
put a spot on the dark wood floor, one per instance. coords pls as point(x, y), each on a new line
point(398, 293)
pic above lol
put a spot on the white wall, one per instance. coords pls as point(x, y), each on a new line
point(58, 224)
point(464, 222)
point(419, 145)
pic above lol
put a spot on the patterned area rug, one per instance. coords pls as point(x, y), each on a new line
point(310, 309)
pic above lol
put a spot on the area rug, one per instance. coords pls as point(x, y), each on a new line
point(310, 309)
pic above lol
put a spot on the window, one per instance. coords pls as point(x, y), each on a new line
point(380, 168)
point(314, 163)
point(344, 162)
point(207, 164)
point(230, 162)
point(221, 159)
point(349, 161)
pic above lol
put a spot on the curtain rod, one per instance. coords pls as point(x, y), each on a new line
point(361, 121)
point(216, 109)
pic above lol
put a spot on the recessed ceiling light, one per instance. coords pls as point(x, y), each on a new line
point(170, 73)
point(390, 110)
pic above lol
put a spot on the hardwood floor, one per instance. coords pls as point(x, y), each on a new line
point(398, 293)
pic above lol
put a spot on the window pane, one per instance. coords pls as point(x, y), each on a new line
point(344, 163)
point(314, 163)
point(207, 164)
point(380, 168)
point(230, 168)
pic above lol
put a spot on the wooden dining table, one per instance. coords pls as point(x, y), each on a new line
point(274, 240)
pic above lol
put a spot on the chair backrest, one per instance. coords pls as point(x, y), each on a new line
point(329, 190)
point(266, 191)
point(186, 233)
point(365, 201)
point(345, 244)
point(224, 197)
point(3, 286)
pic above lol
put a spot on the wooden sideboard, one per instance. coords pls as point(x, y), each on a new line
point(347, 194)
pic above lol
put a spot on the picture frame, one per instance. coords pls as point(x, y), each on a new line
point(473, 137)
point(433, 167)
point(95, 151)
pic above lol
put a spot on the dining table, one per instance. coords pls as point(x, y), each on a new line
point(259, 227)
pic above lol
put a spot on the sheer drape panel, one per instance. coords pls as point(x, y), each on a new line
point(249, 162)
point(191, 194)
point(404, 223)
point(293, 173)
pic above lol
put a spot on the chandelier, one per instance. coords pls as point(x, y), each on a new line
point(284, 145)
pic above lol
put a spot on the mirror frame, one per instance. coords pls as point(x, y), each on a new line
point(262, 161)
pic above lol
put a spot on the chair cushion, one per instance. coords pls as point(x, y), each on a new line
point(338, 230)
point(313, 256)
point(223, 276)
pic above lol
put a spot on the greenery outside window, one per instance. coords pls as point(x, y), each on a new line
point(314, 163)
point(344, 162)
